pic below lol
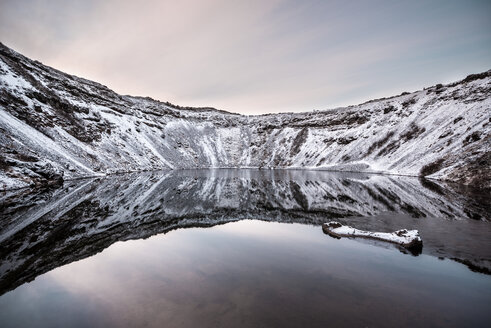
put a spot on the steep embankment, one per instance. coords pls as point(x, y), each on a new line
point(55, 125)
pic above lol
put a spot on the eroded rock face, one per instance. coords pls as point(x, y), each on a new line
point(82, 128)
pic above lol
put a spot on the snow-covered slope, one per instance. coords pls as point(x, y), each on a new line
point(54, 125)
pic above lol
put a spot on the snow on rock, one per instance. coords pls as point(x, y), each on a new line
point(82, 128)
point(407, 238)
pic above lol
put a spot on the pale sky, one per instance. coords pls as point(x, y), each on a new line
point(254, 56)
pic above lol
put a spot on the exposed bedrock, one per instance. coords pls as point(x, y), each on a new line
point(75, 127)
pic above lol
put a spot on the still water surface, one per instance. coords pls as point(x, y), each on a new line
point(109, 264)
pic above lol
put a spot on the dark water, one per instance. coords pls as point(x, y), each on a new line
point(242, 248)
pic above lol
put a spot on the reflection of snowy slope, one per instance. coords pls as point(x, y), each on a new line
point(81, 128)
point(84, 217)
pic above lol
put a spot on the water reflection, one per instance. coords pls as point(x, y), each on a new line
point(45, 229)
point(251, 274)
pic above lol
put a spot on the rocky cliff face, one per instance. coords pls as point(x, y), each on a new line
point(56, 126)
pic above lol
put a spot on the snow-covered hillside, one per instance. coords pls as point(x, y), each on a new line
point(56, 126)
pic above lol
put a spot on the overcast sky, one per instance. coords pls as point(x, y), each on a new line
point(255, 56)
